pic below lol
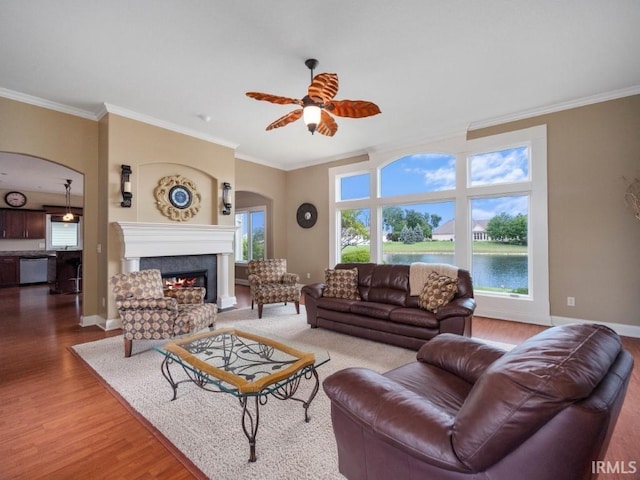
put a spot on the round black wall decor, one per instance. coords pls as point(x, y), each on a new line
point(306, 215)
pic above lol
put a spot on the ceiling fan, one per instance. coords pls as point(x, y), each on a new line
point(318, 104)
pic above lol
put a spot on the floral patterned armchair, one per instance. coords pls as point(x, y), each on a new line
point(269, 282)
point(149, 312)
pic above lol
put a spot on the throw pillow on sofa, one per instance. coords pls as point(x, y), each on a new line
point(437, 292)
point(341, 283)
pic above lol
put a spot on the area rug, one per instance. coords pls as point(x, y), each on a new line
point(206, 427)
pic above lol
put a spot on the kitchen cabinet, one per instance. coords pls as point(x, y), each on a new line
point(9, 274)
point(22, 224)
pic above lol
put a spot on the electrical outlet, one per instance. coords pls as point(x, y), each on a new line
point(571, 301)
point(308, 275)
point(99, 248)
point(104, 302)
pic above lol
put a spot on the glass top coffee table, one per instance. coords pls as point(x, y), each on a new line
point(248, 364)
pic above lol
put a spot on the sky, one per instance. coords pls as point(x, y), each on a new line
point(431, 172)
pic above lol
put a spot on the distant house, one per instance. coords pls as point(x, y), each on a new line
point(447, 231)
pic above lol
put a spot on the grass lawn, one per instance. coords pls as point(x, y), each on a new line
point(444, 247)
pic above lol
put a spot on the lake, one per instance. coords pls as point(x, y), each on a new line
point(496, 271)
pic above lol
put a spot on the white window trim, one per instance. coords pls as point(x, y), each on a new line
point(533, 308)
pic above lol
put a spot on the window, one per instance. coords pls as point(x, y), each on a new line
point(410, 233)
point(355, 235)
point(251, 236)
point(355, 186)
point(479, 204)
point(418, 173)
point(64, 235)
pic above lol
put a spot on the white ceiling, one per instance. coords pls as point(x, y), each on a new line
point(435, 67)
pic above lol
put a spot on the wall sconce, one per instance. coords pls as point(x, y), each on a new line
point(226, 204)
point(125, 186)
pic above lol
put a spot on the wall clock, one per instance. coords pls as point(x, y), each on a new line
point(15, 199)
point(177, 198)
point(307, 215)
point(180, 196)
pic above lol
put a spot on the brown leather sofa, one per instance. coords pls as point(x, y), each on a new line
point(387, 312)
point(465, 410)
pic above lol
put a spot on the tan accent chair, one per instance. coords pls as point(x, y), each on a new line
point(149, 312)
point(269, 282)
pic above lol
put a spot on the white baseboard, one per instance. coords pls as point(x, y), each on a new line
point(513, 316)
point(242, 281)
point(620, 328)
point(88, 320)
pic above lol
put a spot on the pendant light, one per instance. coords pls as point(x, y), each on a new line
point(68, 216)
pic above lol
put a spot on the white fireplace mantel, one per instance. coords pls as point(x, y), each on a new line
point(142, 239)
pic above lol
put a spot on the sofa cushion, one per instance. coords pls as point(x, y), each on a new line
point(437, 292)
point(341, 283)
point(415, 317)
point(527, 386)
point(373, 309)
point(335, 304)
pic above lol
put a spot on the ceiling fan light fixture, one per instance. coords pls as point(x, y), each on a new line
point(311, 116)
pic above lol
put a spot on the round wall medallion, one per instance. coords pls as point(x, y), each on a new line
point(177, 197)
point(307, 215)
point(15, 199)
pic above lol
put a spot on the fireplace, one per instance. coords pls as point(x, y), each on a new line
point(143, 241)
point(202, 268)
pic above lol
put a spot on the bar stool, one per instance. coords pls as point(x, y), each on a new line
point(76, 263)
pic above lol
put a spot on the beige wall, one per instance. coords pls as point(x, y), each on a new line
point(153, 152)
point(308, 248)
point(594, 239)
point(70, 141)
point(593, 235)
point(257, 185)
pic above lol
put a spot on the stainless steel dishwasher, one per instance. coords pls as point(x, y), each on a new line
point(33, 269)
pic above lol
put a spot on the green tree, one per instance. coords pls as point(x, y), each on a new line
point(393, 221)
point(257, 243)
point(497, 227)
point(517, 229)
point(506, 228)
point(354, 230)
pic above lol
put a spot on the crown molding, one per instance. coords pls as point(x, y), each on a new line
point(557, 107)
point(41, 102)
point(123, 112)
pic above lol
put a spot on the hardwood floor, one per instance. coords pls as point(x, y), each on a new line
point(58, 421)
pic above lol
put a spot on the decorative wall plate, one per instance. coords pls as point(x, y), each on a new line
point(177, 197)
point(307, 215)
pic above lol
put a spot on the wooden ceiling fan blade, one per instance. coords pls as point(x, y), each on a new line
point(286, 119)
point(267, 97)
point(353, 108)
point(323, 87)
point(327, 125)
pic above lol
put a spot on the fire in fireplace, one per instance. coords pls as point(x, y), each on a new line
point(185, 279)
point(202, 268)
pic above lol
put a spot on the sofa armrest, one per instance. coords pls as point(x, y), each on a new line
point(314, 290)
point(458, 307)
point(254, 280)
point(464, 357)
point(164, 303)
point(395, 414)
point(290, 278)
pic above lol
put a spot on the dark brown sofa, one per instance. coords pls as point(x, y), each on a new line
point(465, 410)
point(387, 312)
